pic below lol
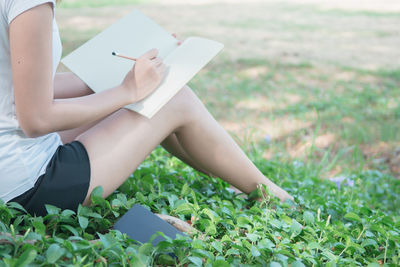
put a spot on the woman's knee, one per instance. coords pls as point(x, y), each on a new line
point(186, 103)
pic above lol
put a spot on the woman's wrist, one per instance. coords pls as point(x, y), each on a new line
point(127, 94)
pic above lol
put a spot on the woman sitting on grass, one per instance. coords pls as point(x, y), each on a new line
point(58, 140)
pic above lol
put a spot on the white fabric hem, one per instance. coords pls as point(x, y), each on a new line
point(30, 183)
point(19, 190)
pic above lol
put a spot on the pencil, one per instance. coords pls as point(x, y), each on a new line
point(119, 55)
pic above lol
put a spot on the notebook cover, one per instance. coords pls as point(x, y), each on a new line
point(140, 224)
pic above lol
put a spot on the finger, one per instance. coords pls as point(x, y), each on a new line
point(157, 61)
point(152, 53)
point(159, 64)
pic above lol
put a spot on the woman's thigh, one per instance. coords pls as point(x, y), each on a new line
point(118, 144)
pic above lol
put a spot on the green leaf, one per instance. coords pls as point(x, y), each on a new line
point(33, 236)
point(52, 209)
point(116, 203)
point(107, 240)
point(17, 206)
point(67, 213)
point(331, 264)
point(244, 222)
point(253, 237)
point(352, 216)
point(39, 226)
point(232, 251)
point(254, 251)
point(296, 228)
point(266, 244)
point(197, 243)
point(205, 253)
point(308, 217)
point(210, 227)
point(329, 255)
point(369, 242)
point(282, 258)
point(196, 261)
point(94, 215)
point(313, 245)
point(286, 219)
point(97, 197)
point(171, 200)
point(297, 264)
point(185, 209)
point(275, 264)
point(226, 238)
point(53, 253)
point(185, 190)
point(84, 211)
point(209, 213)
point(97, 192)
point(71, 229)
point(165, 260)
point(220, 263)
point(83, 221)
point(276, 223)
point(255, 194)
point(146, 249)
point(27, 257)
point(217, 245)
point(115, 213)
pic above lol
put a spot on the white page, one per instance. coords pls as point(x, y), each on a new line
point(133, 35)
point(183, 63)
point(95, 65)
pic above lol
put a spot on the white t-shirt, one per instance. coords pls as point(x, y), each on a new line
point(22, 159)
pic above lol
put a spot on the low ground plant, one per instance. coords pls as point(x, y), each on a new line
point(354, 222)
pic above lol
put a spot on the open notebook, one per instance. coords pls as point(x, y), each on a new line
point(134, 35)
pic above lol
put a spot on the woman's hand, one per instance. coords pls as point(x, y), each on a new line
point(145, 76)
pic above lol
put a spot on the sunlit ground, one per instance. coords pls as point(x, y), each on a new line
point(314, 80)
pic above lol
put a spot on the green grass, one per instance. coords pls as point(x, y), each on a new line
point(333, 12)
point(325, 226)
point(361, 13)
point(360, 108)
point(98, 3)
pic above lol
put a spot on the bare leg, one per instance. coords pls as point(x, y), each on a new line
point(172, 145)
point(68, 85)
point(120, 142)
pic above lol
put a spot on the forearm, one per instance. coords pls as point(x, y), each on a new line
point(69, 113)
point(68, 85)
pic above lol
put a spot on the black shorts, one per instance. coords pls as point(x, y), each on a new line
point(64, 184)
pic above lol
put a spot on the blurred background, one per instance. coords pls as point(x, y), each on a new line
point(310, 80)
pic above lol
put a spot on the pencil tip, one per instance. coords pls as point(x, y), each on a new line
point(113, 53)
